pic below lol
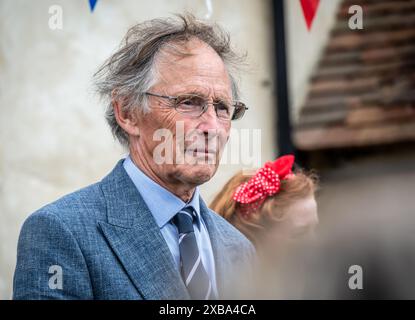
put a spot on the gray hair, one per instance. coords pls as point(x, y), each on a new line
point(130, 71)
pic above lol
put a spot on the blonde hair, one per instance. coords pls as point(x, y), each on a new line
point(297, 187)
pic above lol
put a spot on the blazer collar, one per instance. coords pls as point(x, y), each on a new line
point(225, 252)
point(161, 202)
point(136, 239)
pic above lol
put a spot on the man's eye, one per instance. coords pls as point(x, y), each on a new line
point(222, 107)
point(193, 101)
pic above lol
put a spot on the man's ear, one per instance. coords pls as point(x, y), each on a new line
point(125, 119)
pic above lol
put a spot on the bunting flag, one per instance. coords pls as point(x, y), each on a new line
point(309, 10)
point(92, 4)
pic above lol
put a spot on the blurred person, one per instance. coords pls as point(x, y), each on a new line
point(144, 232)
point(273, 203)
point(365, 254)
point(370, 258)
point(275, 208)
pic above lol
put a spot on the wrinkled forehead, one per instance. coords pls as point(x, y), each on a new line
point(193, 63)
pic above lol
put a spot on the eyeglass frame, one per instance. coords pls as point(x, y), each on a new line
point(241, 104)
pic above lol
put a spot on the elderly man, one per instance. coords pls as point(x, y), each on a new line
point(144, 232)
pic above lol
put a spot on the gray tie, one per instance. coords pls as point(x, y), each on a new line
point(194, 274)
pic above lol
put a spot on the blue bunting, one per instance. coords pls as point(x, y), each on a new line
point(92, 4)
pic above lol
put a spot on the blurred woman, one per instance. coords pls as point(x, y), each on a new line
point(274, 208)
point(275, 202)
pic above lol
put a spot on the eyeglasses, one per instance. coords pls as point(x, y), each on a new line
point(194, 106)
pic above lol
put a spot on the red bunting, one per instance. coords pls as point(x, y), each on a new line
point(309, 10)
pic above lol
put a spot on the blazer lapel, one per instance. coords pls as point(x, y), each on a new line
point(136, 239)
point(222, 250)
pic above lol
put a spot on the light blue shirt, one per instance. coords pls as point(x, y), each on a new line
point(164, 205)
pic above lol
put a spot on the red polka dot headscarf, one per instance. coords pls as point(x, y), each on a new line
point(266, 182)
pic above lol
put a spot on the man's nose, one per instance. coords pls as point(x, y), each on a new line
point(209, 120)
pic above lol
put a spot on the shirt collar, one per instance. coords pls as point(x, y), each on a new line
point(162, 203)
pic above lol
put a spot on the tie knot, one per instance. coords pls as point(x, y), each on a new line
point(184, 220)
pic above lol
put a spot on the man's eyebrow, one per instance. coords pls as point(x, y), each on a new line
point(197, 92)
point(200, 93)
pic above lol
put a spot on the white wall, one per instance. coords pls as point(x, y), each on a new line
point(304, 47)
point(53, 137)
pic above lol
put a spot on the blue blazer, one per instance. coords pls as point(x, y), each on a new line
point(103, 243)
